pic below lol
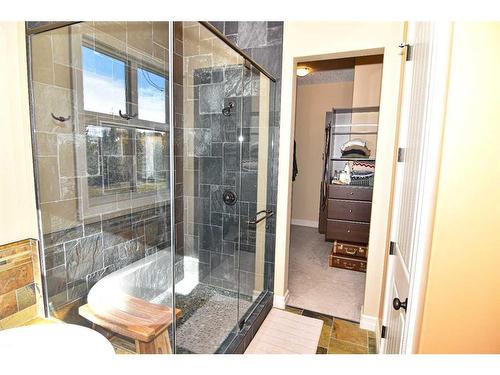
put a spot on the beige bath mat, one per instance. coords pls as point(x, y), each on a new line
point(285, 333)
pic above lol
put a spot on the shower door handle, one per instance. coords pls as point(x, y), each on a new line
point(254, 220)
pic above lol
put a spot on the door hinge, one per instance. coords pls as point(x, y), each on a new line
point(383, 333)
point(401, 154)
point(409, 50)
point(392, 245)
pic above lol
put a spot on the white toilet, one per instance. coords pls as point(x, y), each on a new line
point(54, 340)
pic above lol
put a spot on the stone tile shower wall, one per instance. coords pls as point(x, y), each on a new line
point(81, 245)
point(263, 41)
point(218, 229)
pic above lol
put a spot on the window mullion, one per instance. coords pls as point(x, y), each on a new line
point(131, 87)
point(132, 108)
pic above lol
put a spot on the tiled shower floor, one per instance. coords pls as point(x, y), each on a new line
point(208, 316)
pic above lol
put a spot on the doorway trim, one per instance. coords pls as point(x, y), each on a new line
point(306, 41)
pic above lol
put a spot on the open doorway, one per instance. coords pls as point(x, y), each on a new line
point(336, 127)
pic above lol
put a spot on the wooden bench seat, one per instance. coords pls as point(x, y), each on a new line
point(142, 321)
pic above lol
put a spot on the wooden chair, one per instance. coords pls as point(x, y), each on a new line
point(144, 322)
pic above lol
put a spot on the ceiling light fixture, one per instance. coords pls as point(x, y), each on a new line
point(303, 71)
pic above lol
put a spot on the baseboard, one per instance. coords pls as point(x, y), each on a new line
point(305, 223)
point(280, 301)
point(370, 323)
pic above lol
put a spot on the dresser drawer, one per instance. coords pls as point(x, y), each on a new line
point(347, 231)
point(347, 263)
point(349, 250)
point(357, 193)
point(349, 210)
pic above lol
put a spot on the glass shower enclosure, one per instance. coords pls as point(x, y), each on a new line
point(152, 153)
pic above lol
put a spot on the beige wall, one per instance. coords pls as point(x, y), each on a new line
point(367, 79)
point(366, 93)
point(313, 101)
point(306, 41)
point(462, 305)
point(17, 192)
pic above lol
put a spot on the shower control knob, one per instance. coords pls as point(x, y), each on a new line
point(229, 197)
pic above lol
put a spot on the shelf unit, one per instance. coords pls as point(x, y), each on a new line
point(345, 209)
point(347, 124)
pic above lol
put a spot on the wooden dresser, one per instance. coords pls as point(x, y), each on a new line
point(348, 224)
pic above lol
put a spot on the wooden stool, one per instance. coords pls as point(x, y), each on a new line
point(144, 322)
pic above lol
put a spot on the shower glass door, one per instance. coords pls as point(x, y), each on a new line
point(208, 97)
point(222, 139)
point(148, 207)
point(257, 214)
point(100, 105)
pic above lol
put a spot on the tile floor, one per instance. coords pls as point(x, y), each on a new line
point(340, 336)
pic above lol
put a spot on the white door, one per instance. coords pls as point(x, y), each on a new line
point(422, 111)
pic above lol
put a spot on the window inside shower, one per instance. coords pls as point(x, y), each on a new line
point(140, 134)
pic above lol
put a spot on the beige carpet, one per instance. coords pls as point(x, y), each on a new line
point(285, 333)
point(315, 286)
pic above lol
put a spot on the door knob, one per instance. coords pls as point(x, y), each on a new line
point(397, 304)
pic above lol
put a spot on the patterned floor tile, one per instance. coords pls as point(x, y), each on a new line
point(344, 347)
point(327, 319)
point(340, 336)
point(294, 310)
point(324, 339)
point(372, 345)
point(350, 332)
point(321, 350)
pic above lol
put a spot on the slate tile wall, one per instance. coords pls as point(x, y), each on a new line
point(222, 229)
point(263, 41)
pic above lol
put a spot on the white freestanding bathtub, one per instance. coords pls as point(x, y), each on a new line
point(149, 279)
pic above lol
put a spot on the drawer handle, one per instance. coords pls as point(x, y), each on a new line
point(348, 266)
point(351, 252)
point(351, 193)
point(350, 211)
point(348, 231)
